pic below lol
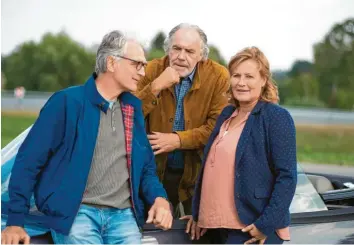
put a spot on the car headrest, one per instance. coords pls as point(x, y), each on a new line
point(321, 184)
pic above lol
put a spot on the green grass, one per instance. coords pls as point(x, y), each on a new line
point(315, 144)
point(326, 144)
point(12, 124)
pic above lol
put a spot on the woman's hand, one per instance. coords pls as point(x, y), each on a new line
point(256, 234)
point(192, 227)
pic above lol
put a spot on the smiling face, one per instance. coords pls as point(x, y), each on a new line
point(185, 51)
point(246, 82)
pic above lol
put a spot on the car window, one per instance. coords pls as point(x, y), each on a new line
point(306, 198)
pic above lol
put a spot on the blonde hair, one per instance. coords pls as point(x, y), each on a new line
point(269, 92)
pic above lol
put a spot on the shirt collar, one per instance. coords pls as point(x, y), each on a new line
point(191, 75)
point(111, 103)
point(94, 96)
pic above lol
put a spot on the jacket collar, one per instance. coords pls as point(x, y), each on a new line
point(231, 108)
point(258, 107)
point(96, 98)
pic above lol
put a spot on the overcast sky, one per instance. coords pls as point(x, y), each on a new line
point(284, 29)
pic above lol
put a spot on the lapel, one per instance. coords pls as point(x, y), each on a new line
point(172, 91)
point(196, 79)
point(246, 132)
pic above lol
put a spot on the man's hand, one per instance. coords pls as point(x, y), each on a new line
point(14, 235)
point(160, 214)
point(255, 233)
point(164, 142)
point(168, 78)
point(193, 228)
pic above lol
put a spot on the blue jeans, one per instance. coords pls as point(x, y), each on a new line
point(101, 226)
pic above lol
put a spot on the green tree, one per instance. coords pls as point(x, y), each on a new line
point(301, 90)
point(334, 59)
point(300, 67)
point(3, 80)
point(155, 54)
point(300, 87)
point(156, 48)
point(158, 41)
point(215, 55)
point(54, 63)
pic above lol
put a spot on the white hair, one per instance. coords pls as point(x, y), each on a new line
point(203, 37)
point(113, 44)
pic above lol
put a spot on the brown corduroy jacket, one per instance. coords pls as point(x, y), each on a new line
point(202, 105)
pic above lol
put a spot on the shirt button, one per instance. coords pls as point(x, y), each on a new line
point(171, 120)
point(114, 128)
point(238, 196)
point(154, 102)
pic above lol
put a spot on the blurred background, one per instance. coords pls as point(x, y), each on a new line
point(50, 45)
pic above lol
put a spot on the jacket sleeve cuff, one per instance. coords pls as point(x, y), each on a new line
point(184, 137)
point(264, 228)
point(16, 219)
point(158, 192)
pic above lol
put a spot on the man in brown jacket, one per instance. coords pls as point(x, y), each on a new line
point(183, 93)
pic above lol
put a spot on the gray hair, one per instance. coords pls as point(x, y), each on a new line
point(203, 37)
point(113, 44)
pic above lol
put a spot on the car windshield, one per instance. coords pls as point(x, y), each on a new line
point(306, 198)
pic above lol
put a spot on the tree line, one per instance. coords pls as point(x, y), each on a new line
point(57, 61)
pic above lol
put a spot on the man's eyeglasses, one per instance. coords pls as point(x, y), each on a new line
point(139, 64)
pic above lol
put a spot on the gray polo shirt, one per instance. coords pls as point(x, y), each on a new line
point(108, 180)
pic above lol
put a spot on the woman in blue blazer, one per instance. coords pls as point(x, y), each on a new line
point(248, 177)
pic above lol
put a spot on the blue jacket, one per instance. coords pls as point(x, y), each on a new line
point(265, 175)
point(54, 160)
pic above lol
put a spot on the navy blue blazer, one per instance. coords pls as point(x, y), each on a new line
point(265, 173)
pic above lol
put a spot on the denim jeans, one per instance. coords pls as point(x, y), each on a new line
point(94, 225)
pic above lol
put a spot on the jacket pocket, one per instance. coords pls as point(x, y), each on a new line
point(55, 205)
point(42, 200)
point(262, 192)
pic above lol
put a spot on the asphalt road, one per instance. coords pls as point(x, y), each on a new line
point(301, 115)
point(328, 169)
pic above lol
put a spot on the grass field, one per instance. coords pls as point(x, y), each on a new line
point(316, 144)
point(12, 124)
point(325, 144)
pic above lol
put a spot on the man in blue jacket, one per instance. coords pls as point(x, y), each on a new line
point(88, 161)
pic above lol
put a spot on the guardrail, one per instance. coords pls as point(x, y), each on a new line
point(34, 101)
